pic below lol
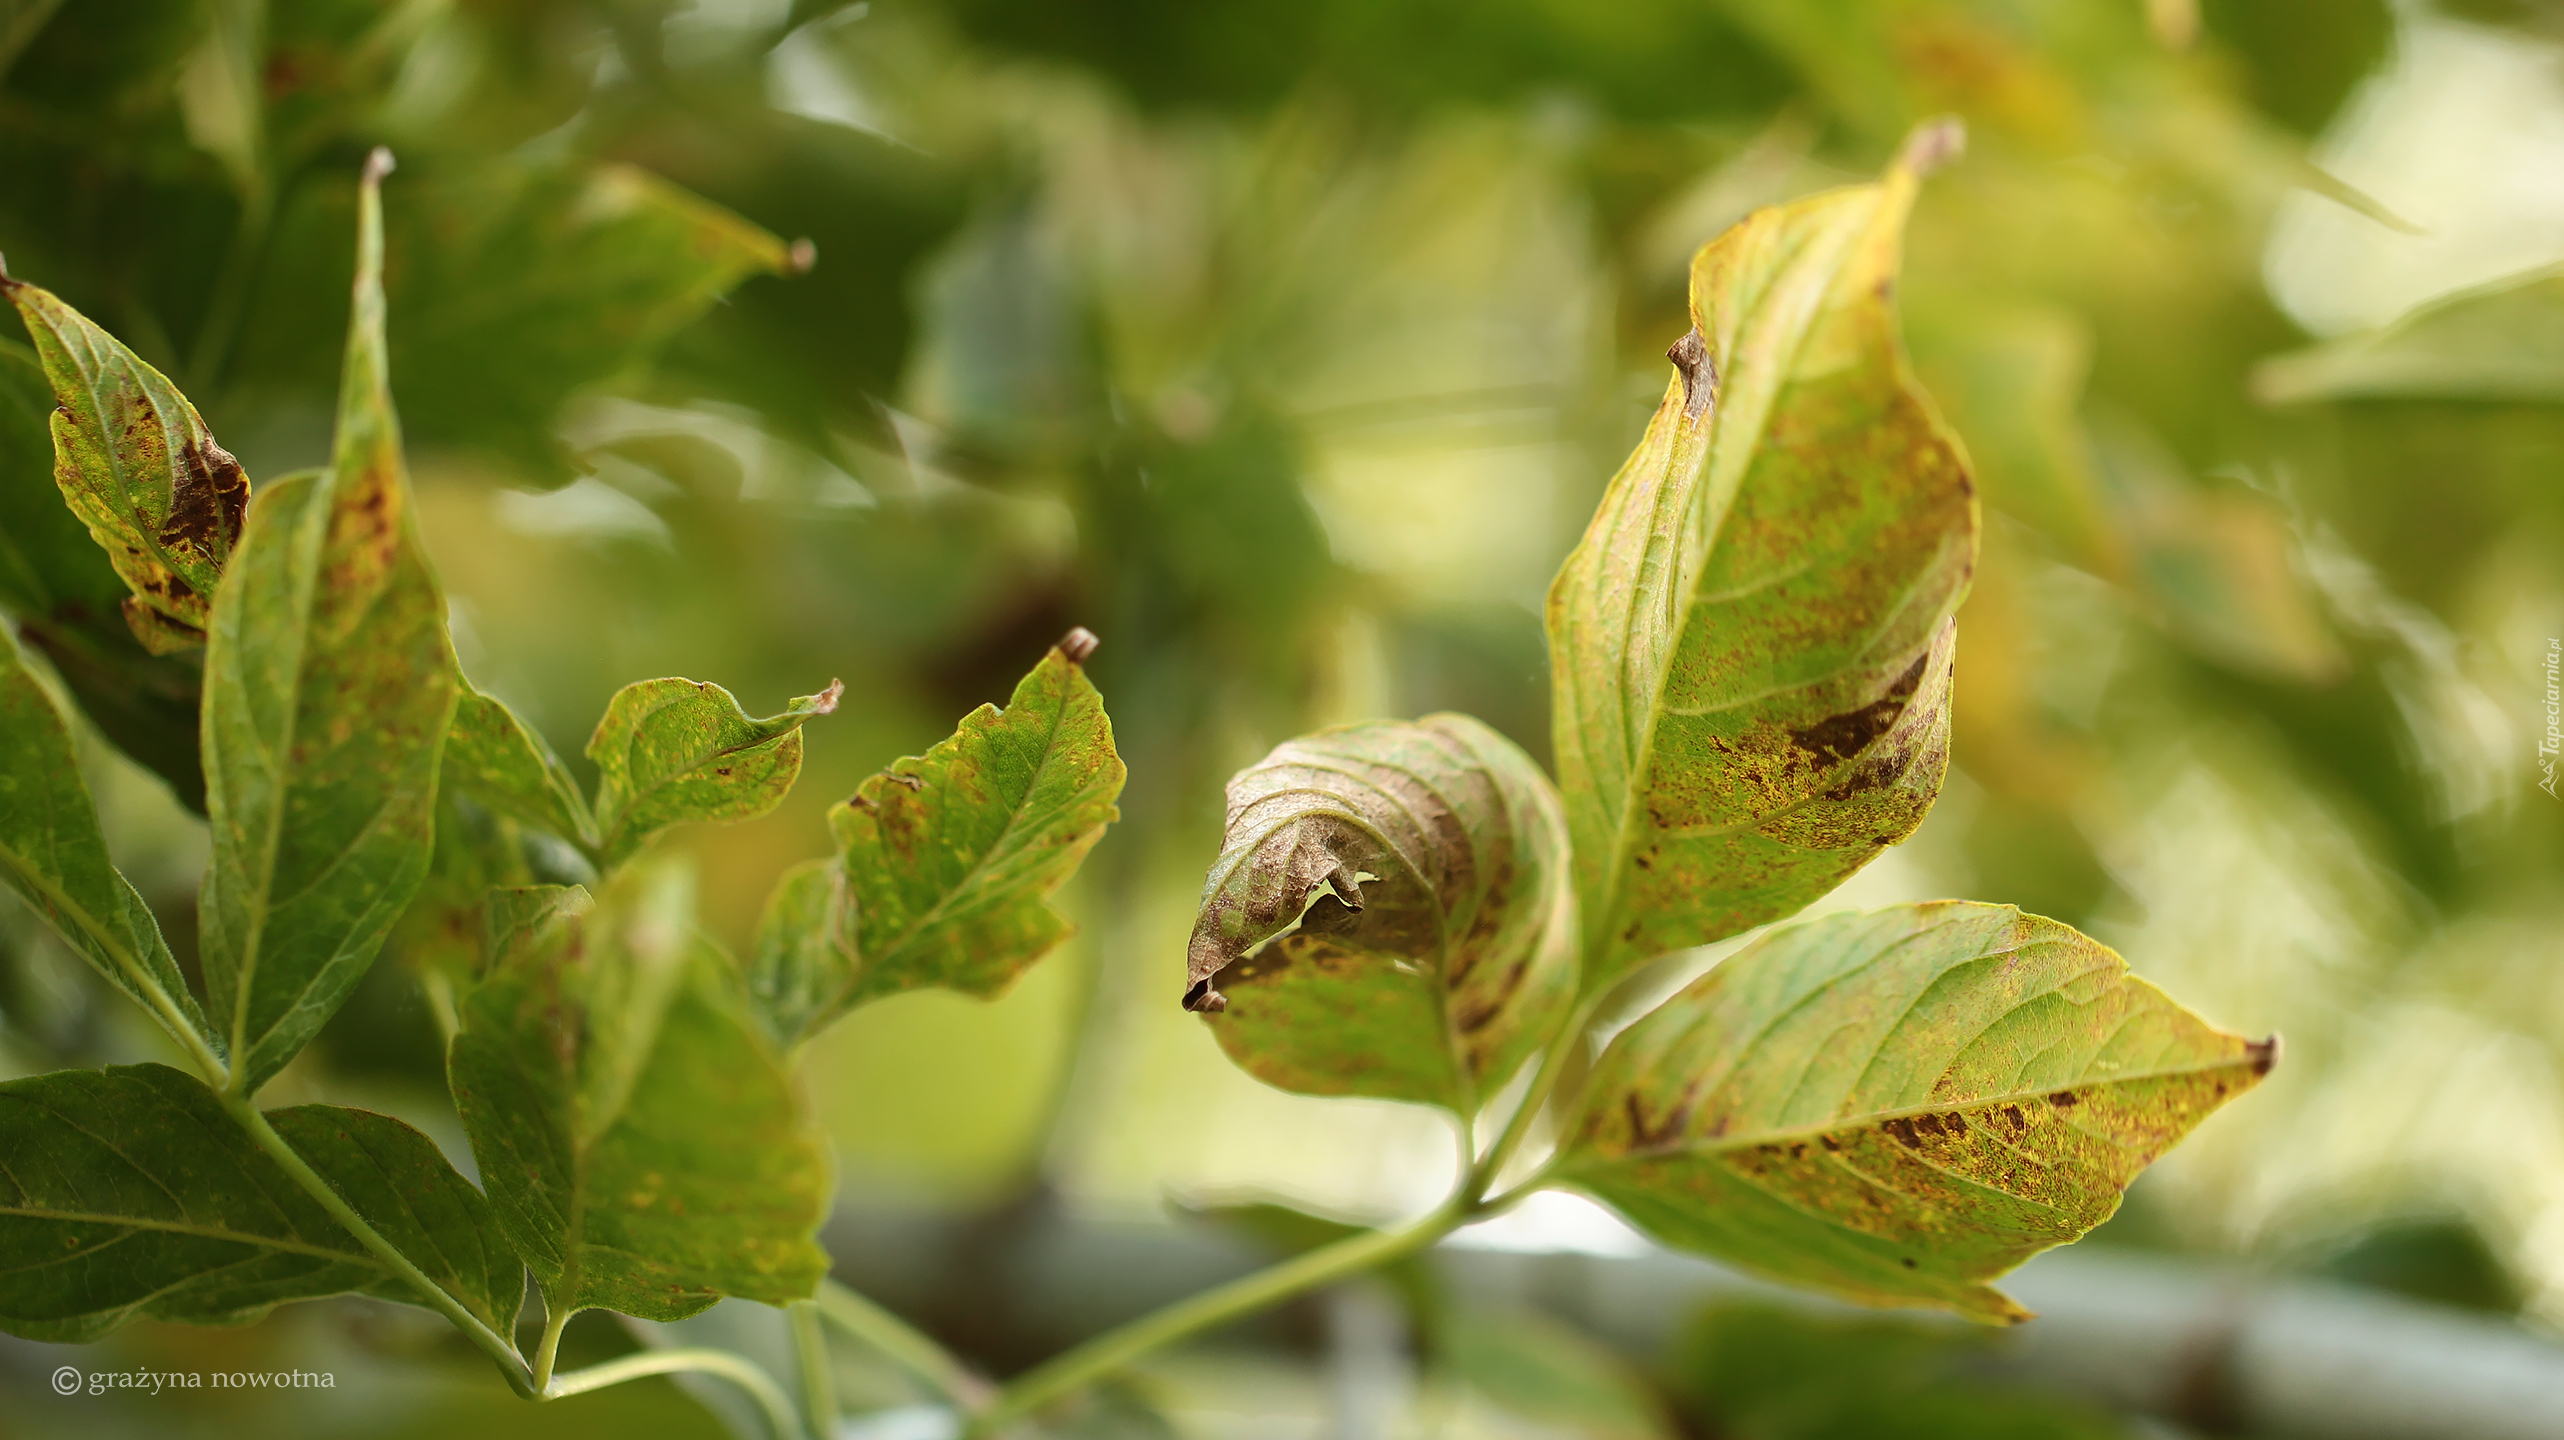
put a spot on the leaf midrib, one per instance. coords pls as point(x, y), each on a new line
point(1714, 1145)
point(1625, 838)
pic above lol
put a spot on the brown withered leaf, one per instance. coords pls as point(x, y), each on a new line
point(1391, 914)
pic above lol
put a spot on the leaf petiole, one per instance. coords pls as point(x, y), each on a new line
point(736, 1369)
point(252, 1120)
point(912, 1349)
point(818, 1382)
point(1067, 1373)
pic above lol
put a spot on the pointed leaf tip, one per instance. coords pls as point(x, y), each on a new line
point(1078, 645)
point(1934, 143)
point(800, 256)
point(379, 163)
point(825, 702)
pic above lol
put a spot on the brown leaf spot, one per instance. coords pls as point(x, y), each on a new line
point(2064, 1100)
point(2264, 1053)
point(1690, 355)
point(1840, 737)
point(209, 495)
point(1204, 1000)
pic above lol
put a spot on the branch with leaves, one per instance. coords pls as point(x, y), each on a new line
point(1752, 654)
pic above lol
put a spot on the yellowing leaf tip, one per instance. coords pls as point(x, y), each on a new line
point(825, 702)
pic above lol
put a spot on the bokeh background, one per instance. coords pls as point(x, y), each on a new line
point(1287, 344)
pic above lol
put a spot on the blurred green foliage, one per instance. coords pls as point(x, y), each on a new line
point(1287, 346)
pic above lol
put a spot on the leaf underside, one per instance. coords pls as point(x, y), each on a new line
point(1750, 647)
point(127, 1193)
point(1900, 1106)
point(946, 861)
point(137, 465)
point(1390, 915)
point(501, 762)
point(645, 1149)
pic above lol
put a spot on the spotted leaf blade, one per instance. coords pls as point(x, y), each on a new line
point(672, 751)
point(329, 684)
point(1391, 914)
point(137, 465)
point(1899, 1107)
point(53, 854)
point(1750, 647)
point(150, 1203)
point(949, 858)
point(646, 1150)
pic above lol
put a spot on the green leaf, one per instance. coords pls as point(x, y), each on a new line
point(1750, 650)
point(53, 854)
point(573, 272)
point(139, 468)
point(498, 760)
point(445, 930)
point(130, 1194)
point(670, 751)
point(2503, 341)
point(1391, 914)
point(1900, 1106)
point(946, 861)
point(644, 1147)
point(329, 685)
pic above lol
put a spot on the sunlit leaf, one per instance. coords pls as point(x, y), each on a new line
point(150, 1202)
point(1900, 1106)
point(139, 468)
point(1391, 914)
point(501, 762)
point(1750, 652)
point(671, 751)
point(54, 855)
point(946, 861)
point(2503, 341)
point(329, 685)
point(645, 1149)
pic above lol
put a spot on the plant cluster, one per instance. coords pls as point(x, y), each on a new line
point(1752, 656)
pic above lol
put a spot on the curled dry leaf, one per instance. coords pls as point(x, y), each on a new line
point(1900, 1106)
point(1391, 913)
point(1751, 646)
point(139, 468)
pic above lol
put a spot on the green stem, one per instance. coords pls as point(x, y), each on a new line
point(254, 1121)
point(818, 1382)
point(902, 1343)
point(1067, 1373)
point(556, 1318)
point(736, 1369)
point(1535, 1097)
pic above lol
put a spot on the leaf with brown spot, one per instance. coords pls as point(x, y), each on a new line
point(947, 861)
point(328, 688)
point(1392, 914)
point(137, 465)
point(1899, 1107)
point(1750, 649)
point(671, 751)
